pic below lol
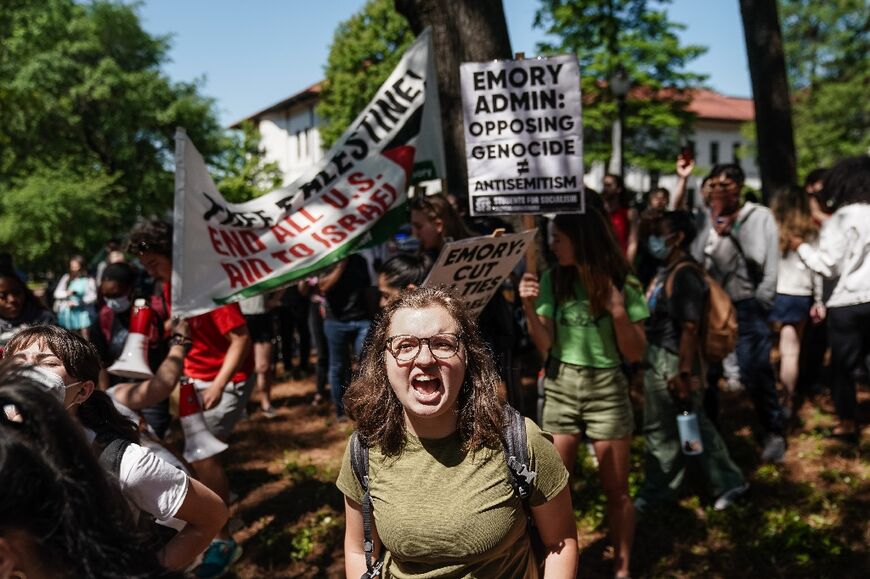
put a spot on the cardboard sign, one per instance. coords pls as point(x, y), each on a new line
point(353, 198)
point(523, 135)
point(477, 266)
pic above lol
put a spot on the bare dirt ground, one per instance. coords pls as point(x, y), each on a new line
point(807, 517)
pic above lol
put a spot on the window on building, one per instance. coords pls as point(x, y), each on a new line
point(714, 152)
point(735, 153)
point(301, 137)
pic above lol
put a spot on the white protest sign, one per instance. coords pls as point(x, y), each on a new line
point(477, 266)
point(523, 135)
point(353, 198)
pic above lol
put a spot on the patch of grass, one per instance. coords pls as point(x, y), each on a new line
point(319, 530)
point(297, 469)
point(834, 476)
point(309, 540)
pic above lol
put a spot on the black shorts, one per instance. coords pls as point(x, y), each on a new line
point(261, 327)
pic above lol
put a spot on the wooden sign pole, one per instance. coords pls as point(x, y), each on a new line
point(528, 220)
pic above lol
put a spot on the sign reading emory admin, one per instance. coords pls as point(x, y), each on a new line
point(523, 135)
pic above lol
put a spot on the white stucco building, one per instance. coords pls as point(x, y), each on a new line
point(288, 132)
point(290, 138)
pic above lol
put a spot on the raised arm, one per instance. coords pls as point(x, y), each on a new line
point(138, 395)
point(684, 171)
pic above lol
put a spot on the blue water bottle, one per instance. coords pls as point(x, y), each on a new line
point(690, 432)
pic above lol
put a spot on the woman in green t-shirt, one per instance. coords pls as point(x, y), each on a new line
point(587, 313)
point(424, 400)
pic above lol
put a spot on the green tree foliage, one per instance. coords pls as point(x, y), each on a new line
point(365, 50)
point(83, 99)
point(826, 47)
point(241, 173)
point(606, 34)
point(56, 210)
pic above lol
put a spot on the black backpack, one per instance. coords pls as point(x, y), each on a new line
point(110, 457)
point(520, 476)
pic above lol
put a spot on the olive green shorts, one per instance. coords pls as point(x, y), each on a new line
point(595, 398)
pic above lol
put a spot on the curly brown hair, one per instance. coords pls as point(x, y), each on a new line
point(379, 414)
point(154, 235)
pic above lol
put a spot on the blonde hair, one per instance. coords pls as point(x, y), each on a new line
point(791, 209)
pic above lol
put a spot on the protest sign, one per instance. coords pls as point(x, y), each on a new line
point(354, 197)
point(523, 135)
point(477, 266)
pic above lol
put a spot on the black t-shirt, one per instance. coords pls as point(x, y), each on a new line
point(685, 304)
point(346, 301)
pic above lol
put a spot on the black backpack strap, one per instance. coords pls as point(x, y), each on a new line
point(516, 451)
point(359, 462)
point(112, 454)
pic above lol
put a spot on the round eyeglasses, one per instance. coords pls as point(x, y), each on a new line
point(406, 348)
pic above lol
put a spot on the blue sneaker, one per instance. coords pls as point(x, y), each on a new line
point(218, 559)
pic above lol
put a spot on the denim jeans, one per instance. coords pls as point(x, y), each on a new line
point(756, 371)
point(339, 337)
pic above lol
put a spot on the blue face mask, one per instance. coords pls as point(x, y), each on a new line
point(658, 248)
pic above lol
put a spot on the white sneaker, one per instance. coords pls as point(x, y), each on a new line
point(728, 497)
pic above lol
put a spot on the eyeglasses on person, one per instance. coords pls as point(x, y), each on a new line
point(406, 348)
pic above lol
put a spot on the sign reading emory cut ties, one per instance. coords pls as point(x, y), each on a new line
point(523, 137)
point(354, 197)
point(477, 266)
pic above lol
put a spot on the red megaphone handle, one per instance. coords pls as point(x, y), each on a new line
point(140, 320)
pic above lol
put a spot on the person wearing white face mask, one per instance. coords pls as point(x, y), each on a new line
point(69, 369)
point(673, 380)
point(109, 334)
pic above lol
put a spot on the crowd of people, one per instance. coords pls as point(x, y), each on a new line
point(668, 293)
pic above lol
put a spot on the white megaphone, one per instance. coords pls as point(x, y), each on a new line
point(199, 442)
point(133, 361)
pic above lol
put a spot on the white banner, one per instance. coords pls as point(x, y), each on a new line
point(477, 266)
point(523, 135)
point(223, 252)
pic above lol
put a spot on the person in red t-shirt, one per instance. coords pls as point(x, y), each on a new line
point(624, 219)
point(218, 362)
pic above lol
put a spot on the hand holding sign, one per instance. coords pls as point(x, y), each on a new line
point(529, 288)
point(476, 267)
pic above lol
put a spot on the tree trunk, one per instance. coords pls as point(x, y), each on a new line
point(774, 134)
point(462, 31)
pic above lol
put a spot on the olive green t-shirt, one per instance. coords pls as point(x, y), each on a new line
point(441, 512)
point(582, 339)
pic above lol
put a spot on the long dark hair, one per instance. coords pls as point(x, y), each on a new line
point(848, 182)
point(55, 491)
point(437, 206)
point(370, 399)
point(29, 298)
point(600, 262)
point(81, 361)
point(404, 269)
point(83, 267)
